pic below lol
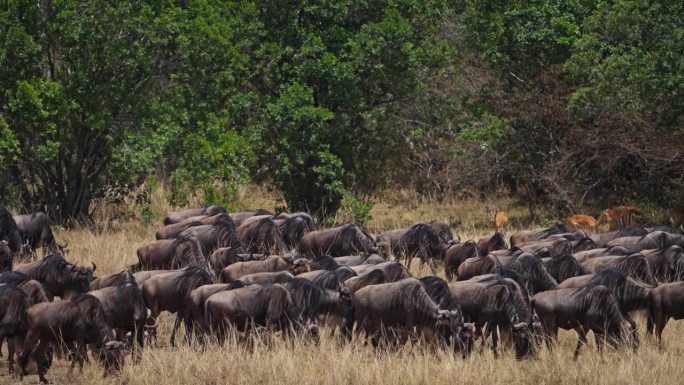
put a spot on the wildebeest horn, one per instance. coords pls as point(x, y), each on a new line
point(469, 326)
point(520, 326)
point(94, 265)
point(153, 326)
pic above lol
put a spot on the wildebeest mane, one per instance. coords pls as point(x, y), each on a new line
point(292, 229)
point(13, 305)
point(191, 278)
point(438, 290)
point(55, 270)
point(532, 270)
point(13, 278)
point(420, 238)
point(306, 295)
point(327, 280)
point(628, 293)
point(325, 262)
point(373, 277)
point(563, 266)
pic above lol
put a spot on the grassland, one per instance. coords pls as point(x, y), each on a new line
point(112, 244)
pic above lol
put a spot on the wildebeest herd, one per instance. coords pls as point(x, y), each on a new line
point(279, 274)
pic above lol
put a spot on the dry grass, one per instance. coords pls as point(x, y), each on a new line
point(113, 247)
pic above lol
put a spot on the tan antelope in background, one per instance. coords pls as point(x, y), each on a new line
point(583, 222)
point(497, 218)
point(622, 216)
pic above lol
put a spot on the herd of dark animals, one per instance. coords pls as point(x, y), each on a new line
point(241, 272)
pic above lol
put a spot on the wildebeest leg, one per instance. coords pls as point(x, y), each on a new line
point(10, 354)
point(660, 320)
point(41, 361)
point(632, 327)
point(30, 342)
point(495, 338)
point(581, 339)
point(433, 267)
point(176, 325)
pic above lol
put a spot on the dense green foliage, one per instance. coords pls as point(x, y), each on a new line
point(566, 101)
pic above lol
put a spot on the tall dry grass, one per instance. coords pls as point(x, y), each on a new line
point(112, 247)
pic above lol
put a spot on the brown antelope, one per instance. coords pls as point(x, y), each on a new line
point(497, 218)
point(678, 218)
point(621, 216)
point(583, 222)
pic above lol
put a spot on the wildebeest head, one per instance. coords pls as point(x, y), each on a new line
point(111, 355)
point(61, 278)
point(6, 256)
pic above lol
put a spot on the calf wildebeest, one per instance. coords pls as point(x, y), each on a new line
point(403, 304)
point(634, 265)
point(373, 277)
point(169, 292)
point(9, 231)
point(494, 302)
point(213, 237)
point(630, 294)
point(60, 277)
point(179, 216)
point(261, 236)
point(115, 279)
point(267, 305)
point(537, 234)
point(457, 254)
point(562, 267)
point(292, 230)
point(356, 260)
point(488, 244)
point(395, 271)
point(239, 217)
point(6, 257)
point(420, 241)
point(271, 264)
point(13, 323)
point(194, 316)
point(667, 301)
point(592, 307)
point(35, 232)
point(444, 232)
point(170, 254)
point(125, 309)
point(347, 239)
point(666, 263)
point(80, 320)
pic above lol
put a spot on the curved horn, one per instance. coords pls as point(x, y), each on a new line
point(153, 326)
point(520, 326)
point(94, 265)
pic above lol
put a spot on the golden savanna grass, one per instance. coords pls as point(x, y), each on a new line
point(112, 244)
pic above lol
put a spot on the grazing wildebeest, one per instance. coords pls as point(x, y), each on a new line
point(313, 301)
point(115, 279)
point(592, 307)
point(13, 323)
point(374, 277)
point(531, 270)
point(630, 294)
point(403, 304)
point(179, 216)
point(356, 260)
point(169, 292)
point(260, 236)
point(537, 234)
point(635, 265)
point(347, 239)
point(438, 290)
point(292, 230)
point(444, 232)
point(667, 301)
point(420, 241)
point(125, 309)
point(9, 231)
point(493, 301)
point(239, 217)
point(6, 257)
point(80, 320)
point(35, 232)
point(395, 271)
point(562, 267)
point(213, 237)
point(666, 263)
point(194, 316)
point(488, 244)
point(170, 254)
point(59, 277)
point(457, 254)
point(267, 305)
point(271, 264)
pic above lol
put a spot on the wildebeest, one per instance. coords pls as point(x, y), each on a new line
point(125, 309)
point(170, 254)
point(35, 232)
point(395, 271)
point(329, 279)
point(420, 241)
point(225, 256)
point(592, 307)
point(9, 231)
point(374, 277)
point(488, 244)
point(456, 254)
point(472, 267)
point(347, 239)
point(172, 231)
point(213, 237)
point(634, 265)
point(557, 246)
point(239, 217)
point(356, 260)
point(292, 230)
point(603, 238)
point(438, 290)
point(169, 292)
point(271, 264)
point(667, 301)
point(115, 279)
point(36, 291)
point(444, 232)
point(537, 234)
point(261, 236)
point(13, 323)
point(80, 320)
point(179, 216)
point(60, 277)
point(652, 240)
point(267, 277)
point(403, 304)
point(6, 257)
point(194, 316)
point(582, 256)
point(562, 267)
point(494, 302)
point(267, 305)
point(666, 263)
point(313, 301)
